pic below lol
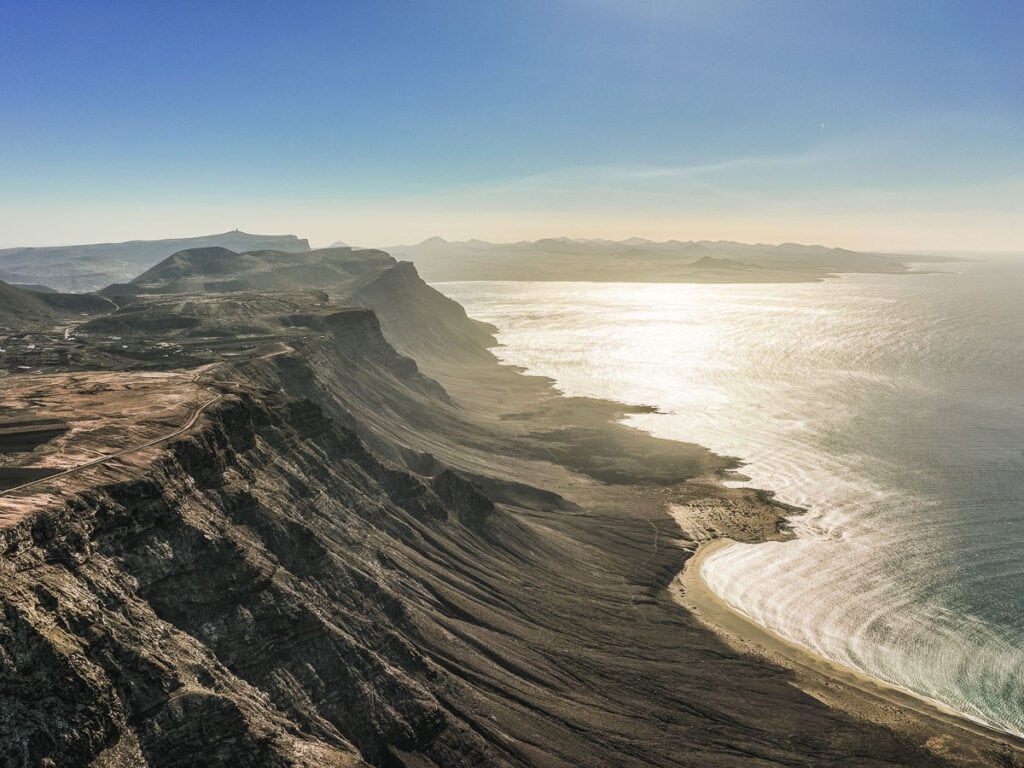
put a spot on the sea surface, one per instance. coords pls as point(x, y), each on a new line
point(891, 407)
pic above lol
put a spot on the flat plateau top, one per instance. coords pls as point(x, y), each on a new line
point(64, 431)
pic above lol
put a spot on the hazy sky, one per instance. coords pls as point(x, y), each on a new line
point(884, 124)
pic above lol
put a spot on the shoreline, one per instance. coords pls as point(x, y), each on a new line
point(836, 685)
point(537, 609)
point(710, 526)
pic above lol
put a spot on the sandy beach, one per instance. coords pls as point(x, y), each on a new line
point(836, 685)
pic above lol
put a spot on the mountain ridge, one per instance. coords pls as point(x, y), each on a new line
point(89, 267)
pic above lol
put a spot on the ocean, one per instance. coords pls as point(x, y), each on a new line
point(891, 407)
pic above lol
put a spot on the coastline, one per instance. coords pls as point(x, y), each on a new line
point(710, 515)
point(712, 523)
point(834, 684)
point(525, 593)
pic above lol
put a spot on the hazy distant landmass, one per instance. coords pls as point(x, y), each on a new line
point(85, 268)
point(91, 267)
point(641, 260)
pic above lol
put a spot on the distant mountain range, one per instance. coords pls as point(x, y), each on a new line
point(641, 260)
point(86, 268)
point(91, 267)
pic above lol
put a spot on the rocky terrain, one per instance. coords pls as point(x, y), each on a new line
point(323, 527)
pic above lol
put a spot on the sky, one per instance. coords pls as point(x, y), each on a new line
point(888, 125)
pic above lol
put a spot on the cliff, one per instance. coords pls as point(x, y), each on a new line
point(268, 593)
point(225, 601)
point(421, 321)
point(357, 558)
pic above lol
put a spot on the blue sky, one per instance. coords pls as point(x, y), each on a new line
point(884, 124)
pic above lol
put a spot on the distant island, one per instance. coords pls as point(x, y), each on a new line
point(640, 260)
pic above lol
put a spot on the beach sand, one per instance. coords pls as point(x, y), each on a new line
point(954, 736)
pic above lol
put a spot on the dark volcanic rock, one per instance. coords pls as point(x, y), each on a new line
point(223, 609)
point(462, 496)
point(271, 594)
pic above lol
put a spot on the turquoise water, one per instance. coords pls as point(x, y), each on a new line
point(891, 407)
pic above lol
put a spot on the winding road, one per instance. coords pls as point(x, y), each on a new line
point(132, 449)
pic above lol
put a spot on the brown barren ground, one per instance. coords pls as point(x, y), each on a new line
point(108, 421)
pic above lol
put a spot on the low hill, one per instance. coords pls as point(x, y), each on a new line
point(220, 270)
point(18, 307)
point(90, 267)
point(710, 262)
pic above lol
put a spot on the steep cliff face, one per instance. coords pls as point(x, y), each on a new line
point(237, 597)
point(268, 593)
point(355, 334)
point(421, 321)
point(351, 370)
